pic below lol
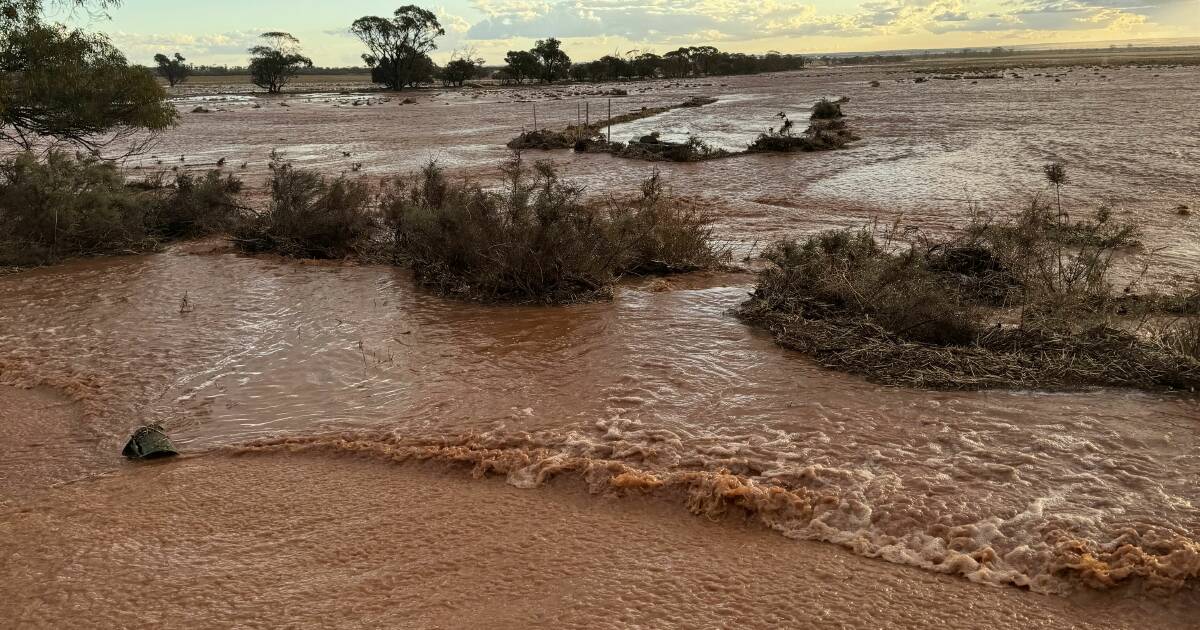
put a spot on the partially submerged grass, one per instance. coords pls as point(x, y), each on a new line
point(539, 239)
point(1024, 302)
point(60, 206)
point(548, 140)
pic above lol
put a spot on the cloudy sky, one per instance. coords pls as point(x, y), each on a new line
point(219, 31)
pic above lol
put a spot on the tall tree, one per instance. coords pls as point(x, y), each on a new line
point(275, 63)
point(398, 46)
point(555, 62)
point(647, 64)
point(522, 65)
point(65, 85)
point(462, 67)
point(174, 69)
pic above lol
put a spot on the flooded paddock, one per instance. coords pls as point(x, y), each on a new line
point(335, 372)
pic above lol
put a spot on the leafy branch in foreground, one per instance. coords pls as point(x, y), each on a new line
point(61, 85)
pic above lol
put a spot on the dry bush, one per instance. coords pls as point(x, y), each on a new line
point(546, 140)
point(661, 235)
point(61, 206)
point(865, 273)
point(651, 149)
point(1182, 337)
point(826, 109)
point(1063, 269)
point(537, 240)
point(310, 216)
point(930, 313)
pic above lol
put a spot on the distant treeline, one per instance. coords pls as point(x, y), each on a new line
point(398, 51)
point(229, 71)
point(546, 62)
point(976, 53)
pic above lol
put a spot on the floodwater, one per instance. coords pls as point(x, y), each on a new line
point(659, 397)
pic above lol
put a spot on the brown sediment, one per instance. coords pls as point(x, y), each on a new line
point(1158, 561)
point(302, 539)
point(1091, 488)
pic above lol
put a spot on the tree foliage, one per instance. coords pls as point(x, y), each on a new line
point(398, 47)
point(56, 205)
point(462, 68)
point(693, 61)
point(522, 65)
point(554, 61)
point(276, 62)
point(547, 62)
point(174, 69)
point(66, 85)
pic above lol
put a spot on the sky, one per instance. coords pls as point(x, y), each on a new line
point(220, 31)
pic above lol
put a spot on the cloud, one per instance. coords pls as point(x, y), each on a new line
point(200, 45)
point(660, 20)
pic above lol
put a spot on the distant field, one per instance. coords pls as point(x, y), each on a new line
point(234, 79)
point(1155, 56)
point(1190, 56)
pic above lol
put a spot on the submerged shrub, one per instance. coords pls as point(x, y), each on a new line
point(854, 273)
point(61, 206)
point(538, 239)
point(822, 134)
point(651, 148)
point(826, 109)
point(1026, 301)
point(309, 216)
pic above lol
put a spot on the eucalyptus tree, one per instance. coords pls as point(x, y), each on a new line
point(275, 62)
point(59, 84)
point(174, 69)
point(399, 46)
point(554, 60)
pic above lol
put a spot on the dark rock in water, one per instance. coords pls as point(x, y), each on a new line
point(149, 442)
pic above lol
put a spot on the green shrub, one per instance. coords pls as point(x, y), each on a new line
point(538, 240)
point(198, 205)
point(310, 216)
point(61, 206)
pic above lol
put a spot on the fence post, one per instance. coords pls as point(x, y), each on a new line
point(610, 121)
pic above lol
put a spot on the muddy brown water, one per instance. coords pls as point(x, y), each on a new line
point(1087, 495)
